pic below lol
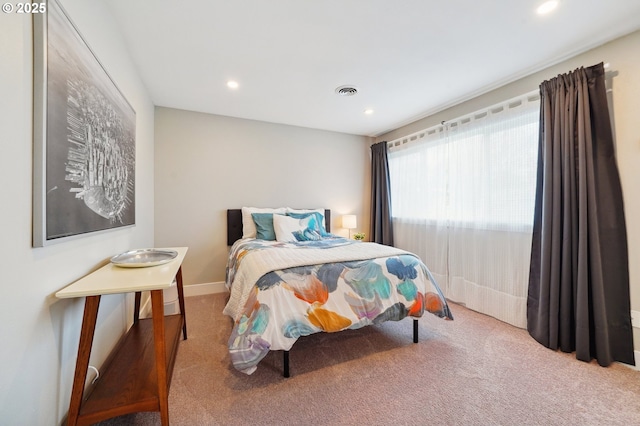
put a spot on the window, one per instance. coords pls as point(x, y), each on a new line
point(463, 197)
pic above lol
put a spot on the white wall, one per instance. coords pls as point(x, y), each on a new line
point(623, 55)
point(206, 164)
point(39, 334)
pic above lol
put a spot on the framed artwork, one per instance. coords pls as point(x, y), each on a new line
point(84, 137)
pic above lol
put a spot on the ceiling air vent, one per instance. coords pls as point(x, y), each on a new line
point(347, 90)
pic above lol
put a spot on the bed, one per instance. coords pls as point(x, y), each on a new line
point(289, 277)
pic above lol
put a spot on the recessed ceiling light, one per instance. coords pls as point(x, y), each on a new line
point(368, 111)
point(547, 7)
point(232, 84)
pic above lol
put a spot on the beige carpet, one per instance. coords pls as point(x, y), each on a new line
point(472, 371)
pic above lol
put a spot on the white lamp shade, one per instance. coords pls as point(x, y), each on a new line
point(349, 221)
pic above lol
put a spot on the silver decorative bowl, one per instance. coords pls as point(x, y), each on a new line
point(143, 258)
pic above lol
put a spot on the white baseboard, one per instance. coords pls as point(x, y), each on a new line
point(635, 319)
point(636, 355)
point(205, 288)
point(635, 322)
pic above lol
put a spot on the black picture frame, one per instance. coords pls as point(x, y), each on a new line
point(84, 137)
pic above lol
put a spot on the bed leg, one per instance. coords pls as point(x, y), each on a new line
point(415, 330)
point(285, 364)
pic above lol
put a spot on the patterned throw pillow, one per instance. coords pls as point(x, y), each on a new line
point(286, 227)
point(318, 222)
point(307, 235)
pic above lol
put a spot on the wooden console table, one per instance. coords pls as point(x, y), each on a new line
point(134, 377)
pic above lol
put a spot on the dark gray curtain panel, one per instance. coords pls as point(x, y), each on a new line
point(578, 298)
point(381, 226)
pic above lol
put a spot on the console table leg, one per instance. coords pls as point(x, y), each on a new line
point(84, 351)
point(157, 312)
point(136, 307)
point(181, 301)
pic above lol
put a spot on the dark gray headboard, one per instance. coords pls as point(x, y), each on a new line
point(234, 224)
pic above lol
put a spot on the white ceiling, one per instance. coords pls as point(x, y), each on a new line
point(409, 58)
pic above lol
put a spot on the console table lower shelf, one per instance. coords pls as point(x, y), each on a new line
point(129, 382)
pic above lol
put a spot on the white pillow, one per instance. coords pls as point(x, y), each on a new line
point(248, 225)
point(285, 226)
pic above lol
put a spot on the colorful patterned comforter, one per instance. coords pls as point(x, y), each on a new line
point(281, 291)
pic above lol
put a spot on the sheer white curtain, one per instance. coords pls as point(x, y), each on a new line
point(463, 195)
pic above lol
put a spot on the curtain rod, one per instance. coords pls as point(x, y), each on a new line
point(463, 119)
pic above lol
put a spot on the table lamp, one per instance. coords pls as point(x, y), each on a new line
point(349, 222)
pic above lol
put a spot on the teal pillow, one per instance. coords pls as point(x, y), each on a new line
point(264, 226)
